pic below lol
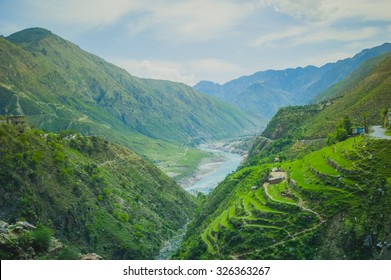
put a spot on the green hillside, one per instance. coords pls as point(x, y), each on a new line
point(94, 195)
point(361, 98)
point(333, 204)
point(59, 86)
point(264, 92)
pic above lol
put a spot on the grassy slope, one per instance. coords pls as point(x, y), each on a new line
point(368, 96)
point(337, 205)
point(97, 196)
point(59, 86)
point(363, 95)
point(327, 214)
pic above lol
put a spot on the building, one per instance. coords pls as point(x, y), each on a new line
point(18, 121)
point(358, 130)
point(276, 180)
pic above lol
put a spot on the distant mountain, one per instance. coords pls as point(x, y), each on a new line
point(59, 86)
point(298, 196)
point(361, 97)
point(300, 85)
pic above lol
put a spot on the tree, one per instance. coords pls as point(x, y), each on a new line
point(346, 124)
point(365, 121)
point(341, 134)
point(383, 116)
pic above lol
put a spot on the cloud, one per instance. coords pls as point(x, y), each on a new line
point(362, 9)
point(161, 70)
point(349, 35)
point(312, 10)
point(307, 35)
point(202, 19)
point(332, 10)
point(277, 37)
point(317, 21)
point(90, 13)
point(170, 19)
point(187, 72)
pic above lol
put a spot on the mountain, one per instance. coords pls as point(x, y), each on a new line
point(361, 98)
point(298, 85)
point(93, 195)
point(59, 86)
point(331, 204)
point(300, 196)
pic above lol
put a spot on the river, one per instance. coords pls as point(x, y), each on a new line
point(214, 172)
point(210, 173)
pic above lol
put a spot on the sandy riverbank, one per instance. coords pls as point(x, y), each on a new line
point(206, 167)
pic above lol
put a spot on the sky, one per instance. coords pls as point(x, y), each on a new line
point(217, 40)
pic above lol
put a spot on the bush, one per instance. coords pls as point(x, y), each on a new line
point(41, 238)
point(69, 253)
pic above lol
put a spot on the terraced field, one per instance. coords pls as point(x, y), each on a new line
point(289, 220)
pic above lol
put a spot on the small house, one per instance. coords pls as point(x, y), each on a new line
point(276, 180)
point(18, 121)
point(358, 130)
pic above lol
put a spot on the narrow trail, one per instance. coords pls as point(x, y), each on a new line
point(292, 237)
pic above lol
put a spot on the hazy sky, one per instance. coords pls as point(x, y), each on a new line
point(218, 40)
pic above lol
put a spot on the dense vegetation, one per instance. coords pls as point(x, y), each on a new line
point(334, 200)
point(334, 205)
point(94, 195)
point(361, 98)
point(59, 86)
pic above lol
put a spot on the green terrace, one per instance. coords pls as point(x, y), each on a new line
point(263, 219)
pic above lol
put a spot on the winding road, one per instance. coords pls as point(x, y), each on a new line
point(379, 132)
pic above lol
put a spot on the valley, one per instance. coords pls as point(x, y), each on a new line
point(280, 164)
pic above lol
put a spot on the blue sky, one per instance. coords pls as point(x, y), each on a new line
point(217, 40)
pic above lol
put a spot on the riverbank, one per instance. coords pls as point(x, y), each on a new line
point(224, 157)
point(205, 168)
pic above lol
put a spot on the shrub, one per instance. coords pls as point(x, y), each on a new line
point(41, 238)
point(122, 216)
point(68, 253)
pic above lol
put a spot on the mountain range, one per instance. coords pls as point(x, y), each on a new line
point(264, 92)
point(308, 189)
point(58, 86)
point(303, 193)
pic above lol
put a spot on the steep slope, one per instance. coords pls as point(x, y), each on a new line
point(297, 198)
point(331, 204)
point(59, 86)
point(288, 121)
point(300, 84)
point(361, 100)
point(361, 97)
point(96, 196)
point(354, 78)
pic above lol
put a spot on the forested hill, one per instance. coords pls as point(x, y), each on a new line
point(92, 195)
point(59, 86)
